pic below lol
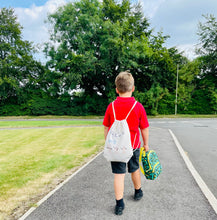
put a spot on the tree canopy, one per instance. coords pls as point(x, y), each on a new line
point(90, 43)
point(93, 41)
point(19, 72)
point(207, 33)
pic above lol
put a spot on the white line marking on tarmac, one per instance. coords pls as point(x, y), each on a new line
point(204, 188)
point(58, 187)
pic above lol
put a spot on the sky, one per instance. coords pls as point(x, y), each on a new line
point(177, 18)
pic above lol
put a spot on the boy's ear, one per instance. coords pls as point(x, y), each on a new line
point(117, 91)
point(133, 89)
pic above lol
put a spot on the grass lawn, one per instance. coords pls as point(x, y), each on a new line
point(46, 123)
point(34, 161)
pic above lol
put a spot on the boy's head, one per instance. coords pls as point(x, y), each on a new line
point(124, 82)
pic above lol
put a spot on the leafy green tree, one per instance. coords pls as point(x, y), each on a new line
point(207, 33)
point(208, 50)
point(20, 74)
point(93, 41)
point(152, 98)
point(188, 79)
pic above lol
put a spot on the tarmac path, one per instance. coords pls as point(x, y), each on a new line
point(89, 195)
point(198, 137)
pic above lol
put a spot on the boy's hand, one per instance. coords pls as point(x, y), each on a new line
point(146, 147)
point(145, 136)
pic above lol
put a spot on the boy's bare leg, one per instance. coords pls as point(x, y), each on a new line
point(136, 178)
point(119, 186)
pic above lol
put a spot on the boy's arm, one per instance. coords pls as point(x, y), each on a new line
point(106, 131)
point(145, 136)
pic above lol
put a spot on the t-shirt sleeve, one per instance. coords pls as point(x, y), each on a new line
point(143, 123)
point(107, 118)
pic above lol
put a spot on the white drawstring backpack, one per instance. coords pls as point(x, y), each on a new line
point(118, 145)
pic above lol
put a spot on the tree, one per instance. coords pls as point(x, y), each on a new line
point(188, 79)
point(93, 41)
point(207, 33)
point(21, 77)
point(19, 72)
point(152, 98)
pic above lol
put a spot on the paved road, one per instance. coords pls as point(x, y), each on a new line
point(198, 138)
point(89, 194)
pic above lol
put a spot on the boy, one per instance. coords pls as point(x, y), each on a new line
point(137, 119)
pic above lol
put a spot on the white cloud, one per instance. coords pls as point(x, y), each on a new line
point(151, 6)
point(188, 50)
point(33, 21)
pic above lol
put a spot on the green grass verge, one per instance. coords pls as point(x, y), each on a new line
point(53, 117)
point(31, 159)
point(47, 123)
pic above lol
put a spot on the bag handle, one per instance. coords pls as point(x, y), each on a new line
point(113, 108)
point(131, 110)
point(142, 151)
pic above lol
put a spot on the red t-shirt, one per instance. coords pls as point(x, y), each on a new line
point(137, 118)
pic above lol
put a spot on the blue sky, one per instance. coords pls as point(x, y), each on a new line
point(177, 18)
point(21, 3)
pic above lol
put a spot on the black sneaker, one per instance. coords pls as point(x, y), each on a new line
point(119, 210)
point(138, 195)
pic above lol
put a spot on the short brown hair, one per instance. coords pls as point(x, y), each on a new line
point(124, 82)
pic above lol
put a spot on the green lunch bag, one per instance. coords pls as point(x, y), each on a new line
point(150, 164)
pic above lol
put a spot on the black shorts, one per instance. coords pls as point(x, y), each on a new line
point(133, 164)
